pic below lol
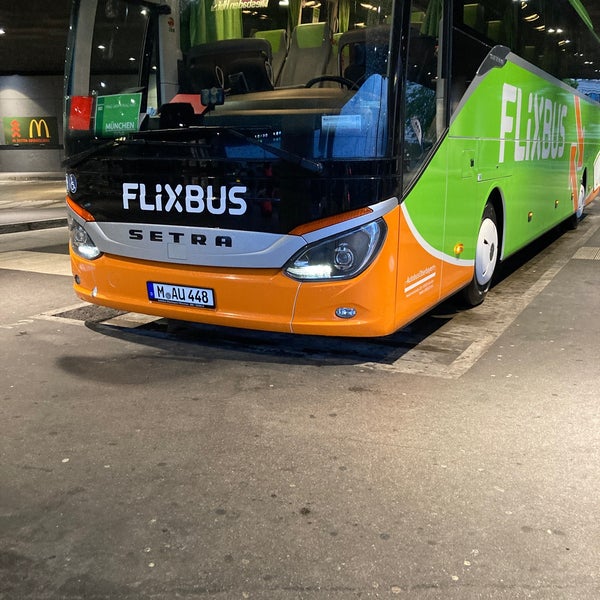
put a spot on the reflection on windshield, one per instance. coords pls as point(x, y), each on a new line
point(360, 128)
point(277, 60)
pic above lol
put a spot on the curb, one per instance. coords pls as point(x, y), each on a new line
point(31, 176)
point(33, 225)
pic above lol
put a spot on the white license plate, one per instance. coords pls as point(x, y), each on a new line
point(181, 294)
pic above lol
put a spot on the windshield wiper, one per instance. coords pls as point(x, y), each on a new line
point(75, 159)
point(291, 157)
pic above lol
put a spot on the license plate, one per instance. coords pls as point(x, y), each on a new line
point(181, 294)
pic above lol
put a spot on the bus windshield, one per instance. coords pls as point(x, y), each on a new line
point(304, 81)
point(292, 98)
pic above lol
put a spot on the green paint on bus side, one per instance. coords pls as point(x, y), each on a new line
point(515, 136)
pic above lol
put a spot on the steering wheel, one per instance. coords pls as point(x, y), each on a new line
point(351, 85)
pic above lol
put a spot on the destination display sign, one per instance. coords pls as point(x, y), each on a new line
point(117, 114)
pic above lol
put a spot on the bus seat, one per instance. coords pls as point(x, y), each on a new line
point(494, 30)
point(529, 53)
point(308, 55)
point(417, 18)
point(279, 47)
point(361, 55)
point(241, 65)
point(473, 16)
point(352, 55)
point(333, 68)
point(198, 71)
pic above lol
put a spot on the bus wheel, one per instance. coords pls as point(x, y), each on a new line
point(486, 258)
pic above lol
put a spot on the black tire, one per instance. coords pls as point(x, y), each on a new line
point(486, 258)
point(573, 221)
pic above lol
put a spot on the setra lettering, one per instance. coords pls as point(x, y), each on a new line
point(179, 237)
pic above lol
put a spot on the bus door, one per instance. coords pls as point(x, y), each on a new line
point(424, 167)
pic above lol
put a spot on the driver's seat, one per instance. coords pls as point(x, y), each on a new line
point(363, 52)
point(308, 55)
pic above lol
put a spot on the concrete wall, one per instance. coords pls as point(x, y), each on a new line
point(22, 96)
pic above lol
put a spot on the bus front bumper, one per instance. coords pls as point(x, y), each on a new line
point(262, 299)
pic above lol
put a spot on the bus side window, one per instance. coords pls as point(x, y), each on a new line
point(422, 124)
point(467, 56)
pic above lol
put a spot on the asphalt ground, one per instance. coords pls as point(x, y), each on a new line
point(27, 204)
point(456, 460)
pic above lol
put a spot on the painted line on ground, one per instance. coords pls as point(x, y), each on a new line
point(44, 263)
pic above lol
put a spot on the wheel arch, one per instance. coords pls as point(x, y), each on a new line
point(496, 199)
point(589, 192)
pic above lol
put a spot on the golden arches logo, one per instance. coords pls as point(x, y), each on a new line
point(38, 124)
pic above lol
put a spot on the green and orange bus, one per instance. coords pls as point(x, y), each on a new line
point(328, 167)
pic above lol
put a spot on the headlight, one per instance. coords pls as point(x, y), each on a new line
point(340, 257)
point(81, 242)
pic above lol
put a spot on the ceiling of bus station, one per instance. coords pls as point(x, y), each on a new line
point(35, 33)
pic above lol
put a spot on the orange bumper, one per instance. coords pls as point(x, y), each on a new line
point(264, 299)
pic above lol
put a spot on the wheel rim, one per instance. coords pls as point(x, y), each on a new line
point(486, 254)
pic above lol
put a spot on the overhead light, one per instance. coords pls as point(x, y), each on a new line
point(2, 31)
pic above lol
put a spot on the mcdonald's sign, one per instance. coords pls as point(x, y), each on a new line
point(30, 131)
point(39, 126)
